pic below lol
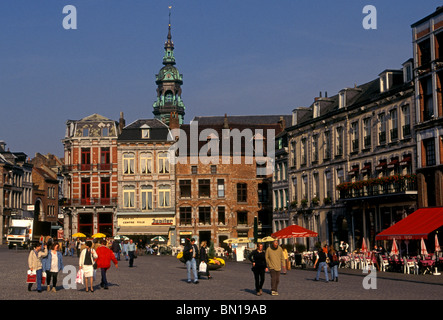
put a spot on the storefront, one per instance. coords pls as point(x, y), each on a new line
point(143, 225)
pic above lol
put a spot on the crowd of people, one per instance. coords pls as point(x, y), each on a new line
point(47, 259)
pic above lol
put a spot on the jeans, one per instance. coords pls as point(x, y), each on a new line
point(259, 275)
point(334, 272)
point(192, 264)
point(131, 258)
point(51, 275)
point(323, 265)
point(104, 279)
point(117, 255)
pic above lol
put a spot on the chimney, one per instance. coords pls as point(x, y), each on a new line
point(174, 122)
point(282, 123)
point(225, 122)
point(121, 122)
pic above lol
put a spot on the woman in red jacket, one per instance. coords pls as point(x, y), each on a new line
point(105, 255)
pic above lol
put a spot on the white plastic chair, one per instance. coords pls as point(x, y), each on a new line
point(384, 263)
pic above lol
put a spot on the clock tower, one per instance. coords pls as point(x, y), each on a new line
point(169, 82)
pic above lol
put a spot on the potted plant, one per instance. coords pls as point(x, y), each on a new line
point(304, 202)
point(315, 201)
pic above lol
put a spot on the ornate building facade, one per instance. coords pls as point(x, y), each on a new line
point(90, 171)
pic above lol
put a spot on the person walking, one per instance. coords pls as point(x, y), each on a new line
point(35, 264)
point(321, 262)
point(78, 246)
point(131, 252)
point(66, 243)
point(52, 264)
point(86, 262)
point(258, 259)
point(286, 255)
point(115, 247)
point(124, 246)
point(334, 262)
point(71, 248)
point(105, 256)
point(274, 261)
point(190, 254)
point(204, 258)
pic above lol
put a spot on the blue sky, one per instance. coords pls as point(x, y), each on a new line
point(236, 57)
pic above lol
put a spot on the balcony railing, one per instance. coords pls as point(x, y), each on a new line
point(92, 202)
point(378, 186)
point(87, 167)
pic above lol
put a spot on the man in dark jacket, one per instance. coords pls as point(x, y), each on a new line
point(115, 247)
point(190, 254)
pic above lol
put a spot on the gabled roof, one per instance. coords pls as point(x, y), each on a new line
point(133, 132)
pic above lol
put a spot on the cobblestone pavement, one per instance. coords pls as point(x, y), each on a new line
point(163, 278)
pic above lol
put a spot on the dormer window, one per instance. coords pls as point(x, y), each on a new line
point(316, 111)
point(341, 99)
point(85, 132)
point(146, 132)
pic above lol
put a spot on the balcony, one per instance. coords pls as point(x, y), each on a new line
point(92, 202)
point(391, 185)
point(87, 167)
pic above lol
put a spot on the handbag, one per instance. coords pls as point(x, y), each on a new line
point(43, 277)
point(31, 277)
point(79, 277)
point(202, 267)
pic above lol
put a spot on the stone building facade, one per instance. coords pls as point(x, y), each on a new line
point(352, 158)
point(146, 180)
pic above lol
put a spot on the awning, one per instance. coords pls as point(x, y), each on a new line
point(366, 168)
point(294, 231)
point(393, 163)
point(415, 226)
point(405, 161)
point(354, 170)
point(146, 230)
point(381, 165)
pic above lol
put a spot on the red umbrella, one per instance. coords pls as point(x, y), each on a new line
point(394, 250)
point(293, 231)
point(437, 245)
point(423, 251)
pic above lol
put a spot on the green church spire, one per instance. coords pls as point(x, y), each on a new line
point(169, 82)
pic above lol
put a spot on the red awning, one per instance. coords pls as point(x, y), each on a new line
point(405, 161)
point(393, 163)
point(381, 165)
point(294, 231)
point(415, 226)
point(366, 168)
